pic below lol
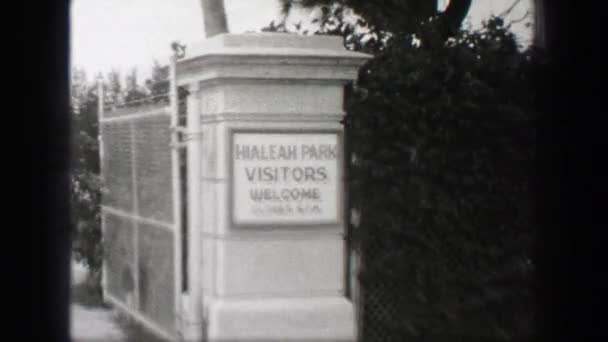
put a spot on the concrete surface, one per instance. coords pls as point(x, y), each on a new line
point(91, 324)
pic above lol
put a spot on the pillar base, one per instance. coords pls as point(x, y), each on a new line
point(192, 332)
point(191, 325)
point(283, 319)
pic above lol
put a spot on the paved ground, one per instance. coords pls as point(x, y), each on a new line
point(92, 324)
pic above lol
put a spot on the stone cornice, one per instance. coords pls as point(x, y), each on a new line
point(270, 56)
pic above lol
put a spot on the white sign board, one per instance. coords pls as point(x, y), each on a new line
point(285, 178)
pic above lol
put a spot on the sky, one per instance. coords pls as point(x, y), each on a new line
point(122, 34)
point(126, 34)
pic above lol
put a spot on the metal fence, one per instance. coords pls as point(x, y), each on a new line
point(141, 211)
point(138, 211)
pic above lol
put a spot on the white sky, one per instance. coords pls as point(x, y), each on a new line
point(122, 34)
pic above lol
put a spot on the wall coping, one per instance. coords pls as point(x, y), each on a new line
point(278, 44)
point(249, 56)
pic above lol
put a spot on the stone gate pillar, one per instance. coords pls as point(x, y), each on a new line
point(268, 234)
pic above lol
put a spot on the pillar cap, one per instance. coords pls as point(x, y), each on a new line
point(276, 56)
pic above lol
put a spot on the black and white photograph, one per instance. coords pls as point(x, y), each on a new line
point(305, 170)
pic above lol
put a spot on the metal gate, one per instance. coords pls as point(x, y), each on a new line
point(142, 211)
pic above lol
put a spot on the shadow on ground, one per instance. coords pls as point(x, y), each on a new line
point(94, 321)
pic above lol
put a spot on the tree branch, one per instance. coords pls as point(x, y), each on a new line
point(515, 21)
point(510, 9)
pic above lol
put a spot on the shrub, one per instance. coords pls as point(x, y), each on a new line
point(443, 142)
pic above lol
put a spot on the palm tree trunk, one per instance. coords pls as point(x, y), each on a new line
point(214, 17)
point(453, 16)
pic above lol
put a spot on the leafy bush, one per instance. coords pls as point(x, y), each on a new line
point(86, 187)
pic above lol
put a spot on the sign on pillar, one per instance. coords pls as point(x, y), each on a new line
point(285, 179)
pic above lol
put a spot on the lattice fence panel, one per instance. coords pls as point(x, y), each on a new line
point(381, 299)
point(119, 256)
point(156, 275)
point(153, 167)
point(117, 170)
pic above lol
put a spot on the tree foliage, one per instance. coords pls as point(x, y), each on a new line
point(394, 16)
point(86, 184)
point(444, 145)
